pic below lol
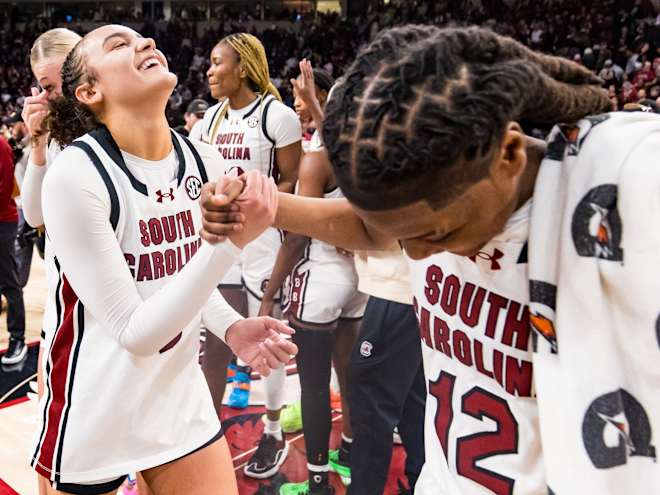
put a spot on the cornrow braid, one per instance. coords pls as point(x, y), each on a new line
point(68, 118)
point(421, 112)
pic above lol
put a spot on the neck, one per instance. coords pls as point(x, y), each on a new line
point(535, 153)
point(242, 98)
point(146, 135)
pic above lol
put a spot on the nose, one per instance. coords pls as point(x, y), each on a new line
point(146, 44)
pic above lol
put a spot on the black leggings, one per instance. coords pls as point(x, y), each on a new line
point(314, 363)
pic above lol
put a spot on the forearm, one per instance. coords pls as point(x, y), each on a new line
point(288, 256)
point(218, 315)
point(31, 192)
point(328, 220)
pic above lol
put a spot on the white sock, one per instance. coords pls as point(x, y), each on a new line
point(346, 439)
point(315, 468)
point(240, 362)
point(273, 428)
point(274, 388)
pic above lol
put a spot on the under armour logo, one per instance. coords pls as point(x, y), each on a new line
point(162, 195)
point(493, 258)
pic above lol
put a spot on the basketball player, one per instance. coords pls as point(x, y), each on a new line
point(253, 130)
point(426, 145)
point(323, 305)
point(46, 57)
point(309, 102)
point(135, 282)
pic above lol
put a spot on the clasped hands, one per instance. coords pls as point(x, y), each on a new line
point(239, 209)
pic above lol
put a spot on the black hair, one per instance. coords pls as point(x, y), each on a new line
point(68, 118)
point(421, 110)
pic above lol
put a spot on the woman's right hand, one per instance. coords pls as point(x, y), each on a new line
point(244, 219)
point(35, 110)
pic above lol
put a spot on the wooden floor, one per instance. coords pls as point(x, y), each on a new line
point(243, 428)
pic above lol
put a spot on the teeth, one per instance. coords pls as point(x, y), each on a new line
point(148, 63)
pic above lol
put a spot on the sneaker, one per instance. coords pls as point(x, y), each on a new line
point(240, 394)
point(231, 372)
point(130, 486)
point(303, 489)
point(16, 353)
point(268, 458)
point(291, 418)
point(342, 470)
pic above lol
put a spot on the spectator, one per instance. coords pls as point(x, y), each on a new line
point(9, 286)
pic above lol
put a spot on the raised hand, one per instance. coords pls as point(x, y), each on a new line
point(259, 342)
point(304, 85)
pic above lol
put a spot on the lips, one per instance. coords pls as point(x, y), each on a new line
point(150, 62)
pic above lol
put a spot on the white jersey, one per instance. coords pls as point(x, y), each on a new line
point(246, 140)
point(482, 428)
point(323, 285)
point(124, 391)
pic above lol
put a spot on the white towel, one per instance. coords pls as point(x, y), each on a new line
point(594, 268)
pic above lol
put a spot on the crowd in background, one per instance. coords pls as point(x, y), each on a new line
point(618, 39)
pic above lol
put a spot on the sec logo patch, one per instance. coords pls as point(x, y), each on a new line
point(253, 121)
point(193, 187)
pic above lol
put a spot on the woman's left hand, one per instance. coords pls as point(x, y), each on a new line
point(260, 343)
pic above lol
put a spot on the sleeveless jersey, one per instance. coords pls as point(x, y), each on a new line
point(157, 229)
point(243, 141)
point(481, 428)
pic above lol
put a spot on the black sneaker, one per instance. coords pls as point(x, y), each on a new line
point(16, 353)
point(268, 458)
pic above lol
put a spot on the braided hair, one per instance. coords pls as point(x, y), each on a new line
point(422, 110)
point(252, 55)
point(68, 118)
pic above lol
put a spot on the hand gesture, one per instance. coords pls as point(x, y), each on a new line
point(304, 85)
point(259, 342)
point(243, 221)
point(34, 112)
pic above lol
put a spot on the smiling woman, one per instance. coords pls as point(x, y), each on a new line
point(120, 206)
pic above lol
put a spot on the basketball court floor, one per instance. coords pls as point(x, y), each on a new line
point(243, 428)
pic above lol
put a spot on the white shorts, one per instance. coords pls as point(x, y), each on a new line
point(312, 299)
point(257, 262)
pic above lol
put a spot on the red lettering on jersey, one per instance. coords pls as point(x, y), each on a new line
point(169, 228)
point(449, 299)
point(425, 327)
point(239, 139)
point(471, 308)
point(479, 359)
point(442, 334)
point(498, 357)
point(170, 262)
point(433, 279)
point(186, 223)
point(130, 261)
point(497, 303)
point(144, 268)
point(157, 260)
point(518, 377)
point(144, 234)
point(517, 325)
point(155, 231)
point(462, 347)
point(246, 154)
